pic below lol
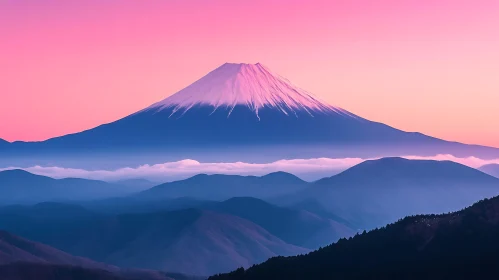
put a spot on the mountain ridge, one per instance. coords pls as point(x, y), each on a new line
point(20, 186)
point(491, 169)
point(219, 186)
point(294, 226)
point(458, 245)
point(14, 248)
point(192, 241)
point(376, 192)
point(34, 258)
point(408, 168)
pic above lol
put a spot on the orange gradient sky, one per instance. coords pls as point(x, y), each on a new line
point(425, 65)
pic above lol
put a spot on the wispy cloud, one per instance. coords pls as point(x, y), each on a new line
point(469, 161)
point(188, 167)
point(306, 168)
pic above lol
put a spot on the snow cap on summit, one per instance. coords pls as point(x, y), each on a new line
point(251, 85)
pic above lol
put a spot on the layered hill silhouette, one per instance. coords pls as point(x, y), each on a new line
point(201, 190)
point(39, 271)
point(136, 184)
point(132, 204)
point(377, 192)
point(192, 241)
point(293, 226)
point(297, 226)
point(24, 259)
point(235, 112)
point(206, 237)
point(220, 187)
point(16, 249)
point(491, 169)
point(459, 245)
point(19, 186)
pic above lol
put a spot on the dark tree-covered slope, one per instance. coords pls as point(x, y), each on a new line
point(459, 245)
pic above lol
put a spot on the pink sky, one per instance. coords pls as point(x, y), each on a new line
point(422, 65)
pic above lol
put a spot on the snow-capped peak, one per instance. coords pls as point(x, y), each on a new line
point(252, 85)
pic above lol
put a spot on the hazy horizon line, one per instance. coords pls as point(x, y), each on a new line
point(308, 169)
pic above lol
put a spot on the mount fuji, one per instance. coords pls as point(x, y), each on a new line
point(242, 112)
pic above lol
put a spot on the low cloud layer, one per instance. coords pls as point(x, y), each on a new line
point(308, 169)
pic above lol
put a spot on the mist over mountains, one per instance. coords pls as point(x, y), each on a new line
point(210, 224)
point(18, 186)
point(24, 259)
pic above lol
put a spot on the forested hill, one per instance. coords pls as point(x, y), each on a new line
point(459, 245)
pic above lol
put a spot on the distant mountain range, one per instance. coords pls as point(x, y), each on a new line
point(491, 169)
point(377, 192)
point(181, 227)
point(294, 226)
point(460, 245)
point(220, 187)
point(24, 259)
point(18, 186)
point(221, 237)
point(235, 112)
point(370, 194)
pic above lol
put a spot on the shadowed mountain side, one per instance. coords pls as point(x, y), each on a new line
point(18, 186)
point(188, 241)
point(136, 184)
point(17, 249)
point(220, 243)
point(491, 169)
point(24, 259)
point(50, 213)
point(42, 271)
point(378, 192)
point(461, 245)
point(293, 226)
point(315, 207)
point(220, 187)
point(296, 226)
point(132, 204)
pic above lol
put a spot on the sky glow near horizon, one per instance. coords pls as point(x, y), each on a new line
point(427, 66)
